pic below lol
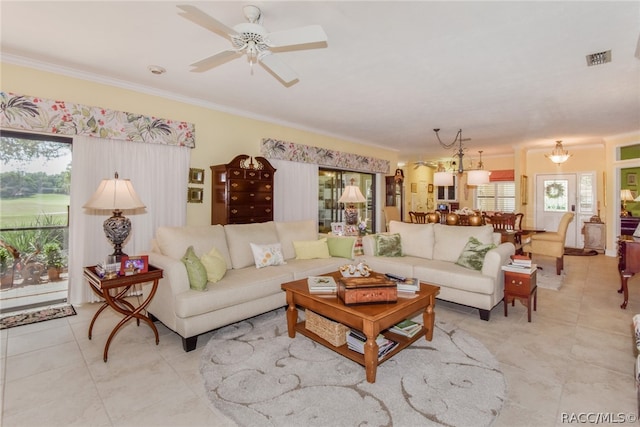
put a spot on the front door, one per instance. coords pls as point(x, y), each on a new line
point(555, 196)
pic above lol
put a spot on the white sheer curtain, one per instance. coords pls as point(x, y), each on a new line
point(159, 174)
point(295, 191)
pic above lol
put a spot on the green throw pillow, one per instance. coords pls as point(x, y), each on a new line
point(341, 247)
point(215, 265)
point(388, 245)
point(311, 249)
point(195, 270)
point(473, 254)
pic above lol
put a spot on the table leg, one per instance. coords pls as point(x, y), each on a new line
point(370, 352)
point(506, 303)
point(624, 289)
point(429, 318)
point(292, 315)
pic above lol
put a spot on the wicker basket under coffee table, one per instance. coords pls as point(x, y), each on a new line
point(371, 319)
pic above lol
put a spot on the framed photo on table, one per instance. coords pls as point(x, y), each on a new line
point(338, 228)
point(130, 265)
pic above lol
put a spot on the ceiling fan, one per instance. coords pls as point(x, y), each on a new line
point(428, 164)
point(253, 40)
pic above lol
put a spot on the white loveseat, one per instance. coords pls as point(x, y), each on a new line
point(245, 290)
point(430, 254)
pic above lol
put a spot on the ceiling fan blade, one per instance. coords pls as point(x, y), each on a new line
point(277, 67)
point(197, 16)
point(213, 61)
point(296, 36)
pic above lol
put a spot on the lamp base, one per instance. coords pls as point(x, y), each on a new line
point(117, 229)
point(350, 215)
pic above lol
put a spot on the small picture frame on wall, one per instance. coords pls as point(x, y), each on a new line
point(632, 179)
point(196, 176)
point(430, 188)
point(194, 195)
point(414, 187)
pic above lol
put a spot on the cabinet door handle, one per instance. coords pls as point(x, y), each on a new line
point(513, 282)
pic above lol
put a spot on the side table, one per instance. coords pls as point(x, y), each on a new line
point(119, 287)
point(521, 286)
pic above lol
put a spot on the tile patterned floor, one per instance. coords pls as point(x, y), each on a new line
point(577, 356)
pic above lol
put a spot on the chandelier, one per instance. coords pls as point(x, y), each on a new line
point(444, 178)
point(559, 154)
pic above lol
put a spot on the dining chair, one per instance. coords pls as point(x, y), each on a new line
point(418, 217)
point(391, 213)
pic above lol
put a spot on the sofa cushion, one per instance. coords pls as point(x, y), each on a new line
point(473, 254)
point(195, 270)
point(341, 247)
point(450, 240)
point(417, 239)
point(239, 236)
point(290, 231)
point(388, 245)
point(266, 255)
point(174, 241)
point(215, 265)
point(311, 249)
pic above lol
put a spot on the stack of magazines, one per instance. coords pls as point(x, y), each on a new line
point(520, 264)
point(405, 284)
point(407, 328)
point(356, 341)
point(322, 285)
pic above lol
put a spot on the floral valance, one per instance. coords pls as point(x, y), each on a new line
point(282, 150)
point(66, 118)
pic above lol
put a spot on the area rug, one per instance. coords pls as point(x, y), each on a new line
point(579, 252)
point(546, 275)
point(258, 376)
point(36, 315)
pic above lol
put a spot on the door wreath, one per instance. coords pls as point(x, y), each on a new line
point(554, 190)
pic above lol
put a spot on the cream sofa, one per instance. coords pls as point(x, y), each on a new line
point(430, 254)
point(244, 291)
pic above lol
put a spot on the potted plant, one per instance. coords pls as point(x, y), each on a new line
point(6, 267)
point(54, 260)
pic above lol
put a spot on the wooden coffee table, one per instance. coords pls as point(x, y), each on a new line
point(371, 319)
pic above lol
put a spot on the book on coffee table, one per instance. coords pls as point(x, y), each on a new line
point(407, 328)
point(322, 284)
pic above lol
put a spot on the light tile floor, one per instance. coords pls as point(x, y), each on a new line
point(576, 357)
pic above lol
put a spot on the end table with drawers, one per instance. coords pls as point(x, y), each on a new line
point(522, 286)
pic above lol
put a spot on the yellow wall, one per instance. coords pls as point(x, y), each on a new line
point(219, 136)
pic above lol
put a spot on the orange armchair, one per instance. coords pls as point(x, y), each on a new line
point(550, 243)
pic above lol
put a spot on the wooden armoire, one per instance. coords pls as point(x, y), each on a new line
point(242, 191)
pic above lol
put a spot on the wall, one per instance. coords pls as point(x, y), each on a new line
point(219, 136)
point(633, 207)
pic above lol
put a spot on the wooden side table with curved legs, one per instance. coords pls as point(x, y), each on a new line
point(121, 285)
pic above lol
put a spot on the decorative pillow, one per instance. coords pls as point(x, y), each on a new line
point(195, 270)
point(473, 254)
point(341, 247)
point(388, 245)
point(265, 255)
point(214, 264)
point(311, 249)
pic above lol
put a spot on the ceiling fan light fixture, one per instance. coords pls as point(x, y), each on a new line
point(559, 154)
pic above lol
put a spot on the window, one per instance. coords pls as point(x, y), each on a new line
point(331, 183)
point(34, 217)
point(448, 193)
point(496, 196)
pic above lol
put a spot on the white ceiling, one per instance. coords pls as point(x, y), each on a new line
point(506, 73)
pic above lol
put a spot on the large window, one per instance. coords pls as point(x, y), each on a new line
point(496, 196)
point(331, 183)
point(34, 218)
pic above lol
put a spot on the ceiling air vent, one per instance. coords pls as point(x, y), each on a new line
point(599, 58)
